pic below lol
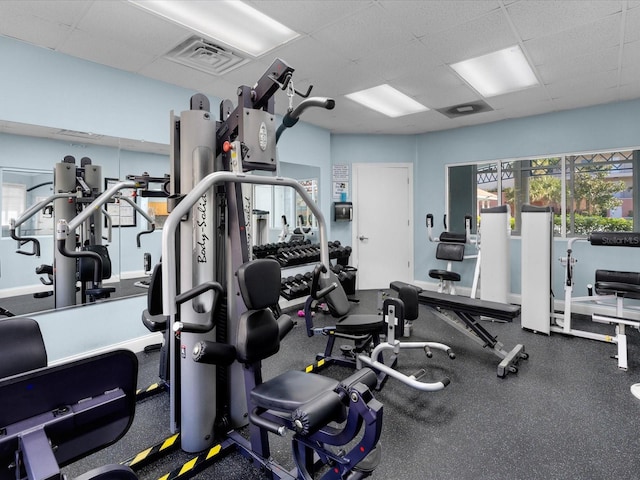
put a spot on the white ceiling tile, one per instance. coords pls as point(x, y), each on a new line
point(584, 97)
point(595, 83)
point(436, 88)
point(171, 72)
point(141, 30)
point(308, 56)
point(526, 109)
point(46, 24)
point(583, 65)
point(309, 16)
point(630, 76)
point(630, 91)
point(631, 30)
point(107, 52)
point(528, 96)
point(349, 45)
point(600, 35)
point(423, 18)
point(631, 56)
point(64, 12)
point(359, 35)
point(400, 61)
point(537, 18)
point(483, 35)
point(34, 30)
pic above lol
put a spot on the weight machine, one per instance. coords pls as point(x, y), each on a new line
point(79, 254)
point(491, 271)
point(538, 312)
point(209, 292)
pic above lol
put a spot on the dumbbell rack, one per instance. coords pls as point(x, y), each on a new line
point(296, 254)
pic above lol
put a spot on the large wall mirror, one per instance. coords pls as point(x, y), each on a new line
point(23, 187)
point(591, 191)
point(275, 203)
point(27, 164)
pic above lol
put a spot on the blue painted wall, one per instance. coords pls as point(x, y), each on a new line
point(51, 89)
point(612, 126)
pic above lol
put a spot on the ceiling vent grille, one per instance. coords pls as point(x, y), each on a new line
point(205, 56)
point(78, 134)
point(465, 109)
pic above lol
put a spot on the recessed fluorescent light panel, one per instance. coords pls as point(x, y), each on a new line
point(387, 100)
point(497, 73)
point(231, 22)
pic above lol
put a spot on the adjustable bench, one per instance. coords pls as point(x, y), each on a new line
point(464, 314)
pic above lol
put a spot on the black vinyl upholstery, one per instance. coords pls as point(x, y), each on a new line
point(339, 307)
point(258, 336)
point(258, 329)
point(409, 297)
point(152, 317)
point(87, 265)
point(291, 390)
point(21, 346)
point(450, 251)
point(259, 283)
point(622, 284)
point(337, 300)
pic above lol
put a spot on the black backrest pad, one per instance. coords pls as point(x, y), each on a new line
point(154, 294)
point(86, 265)
point(409, 297)
point(450, 251)
point(452, 237)
point(258, 333)
point(259, 282)
point(337, 300)
point(258, 336)
point(21, 346)
point(632, 278)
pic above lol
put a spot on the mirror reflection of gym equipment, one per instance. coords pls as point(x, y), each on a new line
point(546, 145)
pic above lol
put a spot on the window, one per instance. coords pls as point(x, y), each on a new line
point(14, 202)
point(588, 192)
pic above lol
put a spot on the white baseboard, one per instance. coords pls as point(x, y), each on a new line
point(133, 274)
point(24, 290)
point(136, 345)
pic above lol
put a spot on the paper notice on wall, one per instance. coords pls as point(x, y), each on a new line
point(340, 190)
point(340, 173)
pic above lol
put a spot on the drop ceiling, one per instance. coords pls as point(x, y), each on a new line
point(583, 52)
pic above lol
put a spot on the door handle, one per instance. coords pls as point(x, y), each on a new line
point(362, 238)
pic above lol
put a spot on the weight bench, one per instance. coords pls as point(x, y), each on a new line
point(621, 285)
point(53, 416)
point(464, 315)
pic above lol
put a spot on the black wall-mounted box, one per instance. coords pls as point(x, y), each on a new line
point(342, 211)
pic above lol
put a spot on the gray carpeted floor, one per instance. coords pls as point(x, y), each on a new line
point(567, 414)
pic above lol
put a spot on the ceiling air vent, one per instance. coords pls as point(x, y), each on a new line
point(465, 109)
point(78, 134)
point(205, 56)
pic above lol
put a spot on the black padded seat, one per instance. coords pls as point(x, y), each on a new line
point(444, 275)
point(21, 346)
point(621, 284)
point(625, 290)
point(361, 324)
point(291, 390)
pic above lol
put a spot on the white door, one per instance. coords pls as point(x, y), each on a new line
point(382, 227)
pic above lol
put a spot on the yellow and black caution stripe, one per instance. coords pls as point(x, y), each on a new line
point(153, 453)
point(152, 389)
point(199, 463)
point(315, 366)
